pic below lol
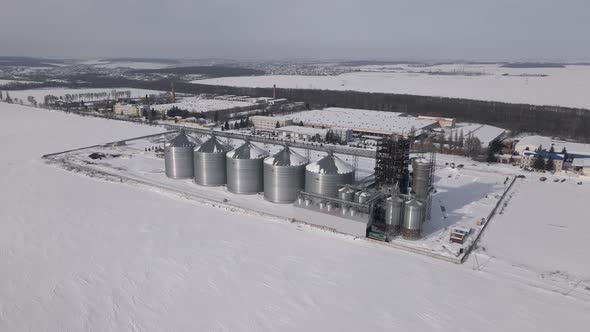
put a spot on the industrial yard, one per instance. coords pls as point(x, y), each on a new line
point(464, 197)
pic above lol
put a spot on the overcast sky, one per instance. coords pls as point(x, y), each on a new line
point(312, 29)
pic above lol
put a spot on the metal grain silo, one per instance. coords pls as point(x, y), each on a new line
point(245, 169)
point(209, 163)
point(327, 175)
point(346, 194)
point(178, 157)
point(413, 218)
point(284, 176)
point(422, 178)
point(394, 214)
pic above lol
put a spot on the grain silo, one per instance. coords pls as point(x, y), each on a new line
point(178, 157)
point(245, 169)
point(209, 163)
point(327, 175)
point(413, 218)
point(284, 176)
point(394, 214)
point(346, 193)
point(422, 178)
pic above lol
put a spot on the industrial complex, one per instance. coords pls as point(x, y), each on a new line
point(394, 201)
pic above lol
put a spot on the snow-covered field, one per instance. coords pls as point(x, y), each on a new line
point(554, 215)
point(39, 94)
point(8, 82)
point(199, 105)
point(562, 86)
point(78, 253)
point(125, 64)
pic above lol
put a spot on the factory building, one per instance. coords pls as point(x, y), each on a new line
point(268, 122)
point(307, 133)
point(126, 109)
point(362, 122)
point(443, 122)
point(528, 158)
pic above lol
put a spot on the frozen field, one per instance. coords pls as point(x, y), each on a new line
point(199, 105)
point(562, 86)
point(78, 253)
point(554, 217)
point(40, 94)
point(124, 64)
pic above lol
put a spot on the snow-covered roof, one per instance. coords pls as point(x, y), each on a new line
point(247, 151)
point(485, 133)
point(361, 120)
point(212, 145)
point(533, 142)
point(544, 154)
point(181, 140)
point(330, 164)
point(286, 157)
point(199, 105)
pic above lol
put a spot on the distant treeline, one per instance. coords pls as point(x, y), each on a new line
point(564, 122)
point(6, 61)
point(209, 71)
point(533, 65)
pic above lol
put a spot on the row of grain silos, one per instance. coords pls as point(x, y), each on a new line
point(249, 169)
point(406, 216)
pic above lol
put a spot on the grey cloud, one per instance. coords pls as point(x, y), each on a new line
point(265, 29)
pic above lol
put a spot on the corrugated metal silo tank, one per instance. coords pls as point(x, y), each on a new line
point(421, 179)
point(245, 169)
point(346, 194)
point(178, 157)
point(284, 176)
point(394, 214)
point(327, 175)
point(413, 216)
point(209, 163)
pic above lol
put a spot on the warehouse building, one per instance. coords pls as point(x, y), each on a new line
point(269, 123)
point(306, 133)
point(362, 122)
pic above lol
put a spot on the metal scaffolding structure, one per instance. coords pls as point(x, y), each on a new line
point(391, 163)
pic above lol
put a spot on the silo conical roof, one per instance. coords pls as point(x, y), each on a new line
point(181, 140)
point(286, 157)
point(330, 164)
point(212, 145)
point(247, 151)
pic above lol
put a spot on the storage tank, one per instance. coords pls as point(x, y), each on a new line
point(284, 176)
point(327, 175)
point(394, 214)
point(346, 194)
point(421, 180)
point(178, 157)
point(209, 163)
point(245, 169)
point(413, 217)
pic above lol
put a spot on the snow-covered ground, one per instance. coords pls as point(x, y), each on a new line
point(39, 94)
point(78, 253)
point(562, 86)
point(8, 82)
point(545, 228)
point(125, 64)
point(199, 105)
